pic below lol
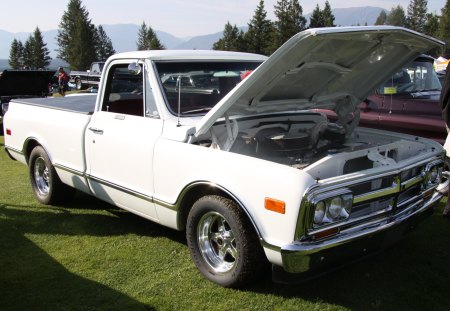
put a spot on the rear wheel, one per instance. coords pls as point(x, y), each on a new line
point(47, 186)
point(223, 243)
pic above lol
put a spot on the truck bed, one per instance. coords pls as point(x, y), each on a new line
point(84, 104)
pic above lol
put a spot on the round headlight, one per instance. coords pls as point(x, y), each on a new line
point(319, 213)
point(335, 208)
point(433, 175)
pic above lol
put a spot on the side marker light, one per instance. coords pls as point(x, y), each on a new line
point(274, 205)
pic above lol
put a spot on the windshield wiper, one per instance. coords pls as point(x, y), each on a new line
point(198, 110)
point(426, 90)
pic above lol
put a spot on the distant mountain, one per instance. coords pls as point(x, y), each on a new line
point(205, 42)
point(356, 16)
point(55, 63)
point(124, 36)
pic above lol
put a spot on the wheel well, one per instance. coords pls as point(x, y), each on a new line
point(29, 146)
point(196, 192)
point(192, 195)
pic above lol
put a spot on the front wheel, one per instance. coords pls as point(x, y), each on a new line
point(47, 186)
point(223, 243)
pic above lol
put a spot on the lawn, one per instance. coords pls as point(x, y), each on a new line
point(88, 255)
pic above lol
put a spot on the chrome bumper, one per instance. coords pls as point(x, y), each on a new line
point(300, 257)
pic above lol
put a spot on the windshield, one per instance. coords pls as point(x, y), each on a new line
point(200, 85)
point(418, 76)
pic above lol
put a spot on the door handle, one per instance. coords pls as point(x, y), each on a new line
point(96, 130)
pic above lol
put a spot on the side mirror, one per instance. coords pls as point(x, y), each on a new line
point(135, 68)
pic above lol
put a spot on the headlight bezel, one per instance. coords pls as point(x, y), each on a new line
point(330, 208)
point(432, 174)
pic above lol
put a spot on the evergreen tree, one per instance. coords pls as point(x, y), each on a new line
point(328, 17)
point(431, 27)
point(153, 41)
point(444, 28)
point(232, 39)
point(381, 19)
point(40, 58)
point(316, 19)
point(259, 33)
point(76, 37)
point(396, 17)
point(417, 15)
point(147, 39)
point(27, 53)
point(290, 20)
point(104, 46)
point(15, 55)
point(142, 37)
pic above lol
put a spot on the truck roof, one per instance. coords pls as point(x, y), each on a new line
point(189, 55)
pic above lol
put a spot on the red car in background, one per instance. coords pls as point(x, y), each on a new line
point(408, 102)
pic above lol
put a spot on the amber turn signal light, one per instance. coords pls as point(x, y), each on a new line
point(275, 205)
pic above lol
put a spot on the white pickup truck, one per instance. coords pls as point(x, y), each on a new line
point(233, 149)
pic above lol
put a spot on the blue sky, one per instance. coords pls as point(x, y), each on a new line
point(181, 18)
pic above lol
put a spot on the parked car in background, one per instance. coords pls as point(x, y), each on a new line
point(88, 78)
point(408, 102)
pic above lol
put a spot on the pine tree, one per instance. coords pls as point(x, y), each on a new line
point(15, 55)
point(381, 19)
point(142, 37)
point(27, 53)
point(232, 39)
point(76, 37)
point(152, 40)
point(444, 28)
point(147, 39)
point(417, 15)
point(290, 20)
point(259, 33)
point(431, 27)
point(104, 46)
point(328, 17)
point(40, 58)
point(316, 19)
point(396, 17)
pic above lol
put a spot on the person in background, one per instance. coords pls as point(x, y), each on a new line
point(444, 102)
point(63, 79)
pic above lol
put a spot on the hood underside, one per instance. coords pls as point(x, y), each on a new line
point(333, 68)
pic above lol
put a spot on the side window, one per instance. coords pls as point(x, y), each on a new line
point(124, 91)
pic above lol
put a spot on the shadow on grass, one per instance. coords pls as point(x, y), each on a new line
point(31, 279)
point(43, 281)
point(70, 220)
point(412, 275)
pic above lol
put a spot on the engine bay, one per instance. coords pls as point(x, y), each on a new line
point(309, 141)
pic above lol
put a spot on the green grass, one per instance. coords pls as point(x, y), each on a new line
point(88, 255)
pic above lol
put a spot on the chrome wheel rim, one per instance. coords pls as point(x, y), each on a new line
point(41, 176)
point(216, 242)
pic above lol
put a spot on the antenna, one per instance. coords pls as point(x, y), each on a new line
point(178, 87)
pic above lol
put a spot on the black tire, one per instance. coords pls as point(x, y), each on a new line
point(223, 243)
point(46, 185)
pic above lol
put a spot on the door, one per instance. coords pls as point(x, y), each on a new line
point(120, 142)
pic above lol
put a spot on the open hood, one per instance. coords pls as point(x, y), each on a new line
point(333, 68)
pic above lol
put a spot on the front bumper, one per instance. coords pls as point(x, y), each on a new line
point(300, 257)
